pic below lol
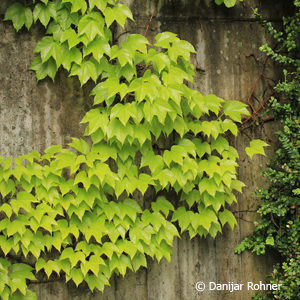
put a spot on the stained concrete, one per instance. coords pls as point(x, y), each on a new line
point(34, 116)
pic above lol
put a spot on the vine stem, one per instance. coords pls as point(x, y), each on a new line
point(150, 20)
point(245, 210)
point(20, 260)
point(45, 281)
point(261, 74)
point(273, 221)
point(255, 84)
point(256, 111)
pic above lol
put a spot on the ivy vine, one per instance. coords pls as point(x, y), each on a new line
point(80, 213)
point(279, 226)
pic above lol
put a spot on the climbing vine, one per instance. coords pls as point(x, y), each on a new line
point(156, 159)
point(278, 227)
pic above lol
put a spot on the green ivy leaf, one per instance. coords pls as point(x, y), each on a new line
point(213, 103)
point(201, 147)
point(19, 15)
point(70, 36)
point(161, 61)
point(21, 270)
point(163, 205)
point(91, 25)
point(46, 46)
point(50, 267)
point(270, 241)
point(256, 147)
point(136, 42)
point(220, 144)
point(7, 209)
point(86, 70)
point(80, 145)
point(180, 48)
point(138, 261)
point(230, 3)
point(76, 275)
point(208, 185)
point(119, 13)
point(98, 282)
point(97, 47)
point(30, 295)
point(219, 2)
point(6, 244)
point(70, 56)
point(228, 124)
point(101, 4)
point(5, 294)
point(164, 39)
point(234, 109)
point(77, 5)
point(40, 264)
point(7, 187)
point(44, 13)
point(227, 216)
point(45, 69)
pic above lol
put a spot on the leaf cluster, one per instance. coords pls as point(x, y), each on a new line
point(56, 214)
point(80, 213)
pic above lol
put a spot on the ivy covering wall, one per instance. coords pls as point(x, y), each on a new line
point(75, 213)
point(279, 226)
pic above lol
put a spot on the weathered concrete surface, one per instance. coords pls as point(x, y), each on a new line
point(33, 116)
point(228, 62)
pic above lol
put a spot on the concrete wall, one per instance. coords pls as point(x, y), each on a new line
point(34, 116)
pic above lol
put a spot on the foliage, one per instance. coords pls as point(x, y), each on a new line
point(228, 3)
point(77, 213)
point(279, 226)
